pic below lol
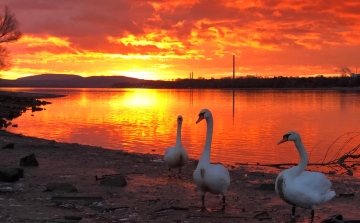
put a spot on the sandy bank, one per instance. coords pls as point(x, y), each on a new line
point(149, 194)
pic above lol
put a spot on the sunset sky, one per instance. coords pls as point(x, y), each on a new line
point(167, 39)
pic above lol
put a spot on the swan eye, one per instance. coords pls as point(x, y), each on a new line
point(286, 136)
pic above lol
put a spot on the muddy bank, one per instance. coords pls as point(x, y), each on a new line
point(13, 104)
point(149, 195)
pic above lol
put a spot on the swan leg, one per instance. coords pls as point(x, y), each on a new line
point(203, 202)
point(169, 174)
point(224, 202)
point(179, 173)
point(312, 215)
point(293, 212)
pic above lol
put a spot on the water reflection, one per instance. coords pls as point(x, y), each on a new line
point(143, 120)
point(233, 104)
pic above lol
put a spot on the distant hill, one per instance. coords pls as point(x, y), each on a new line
point(48, 77)
point(68, 81)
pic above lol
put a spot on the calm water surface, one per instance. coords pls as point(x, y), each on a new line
point(248, 124)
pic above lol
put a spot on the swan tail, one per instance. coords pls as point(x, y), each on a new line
point(328, 195)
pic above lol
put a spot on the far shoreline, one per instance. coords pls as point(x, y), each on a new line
point(41, 95)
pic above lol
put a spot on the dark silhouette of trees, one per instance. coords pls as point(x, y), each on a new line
point(8, 33)
point(250, 82)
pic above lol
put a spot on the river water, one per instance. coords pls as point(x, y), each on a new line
point(248, 124)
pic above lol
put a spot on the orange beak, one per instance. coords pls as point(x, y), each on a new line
point(201, 117)
point(283, 140)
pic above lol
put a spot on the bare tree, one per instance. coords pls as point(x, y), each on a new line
point(8, 33)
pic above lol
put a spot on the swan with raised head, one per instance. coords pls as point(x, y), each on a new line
point(209, 177)
point(176, 157)
point(301, 188)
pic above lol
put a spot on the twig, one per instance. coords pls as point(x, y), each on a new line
point(313, 149)
point(212, 216)
point(347, 195)
point(334, 143)
point(173, 208)
point(104, 176)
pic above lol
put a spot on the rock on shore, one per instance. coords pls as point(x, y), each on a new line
point(13, 104)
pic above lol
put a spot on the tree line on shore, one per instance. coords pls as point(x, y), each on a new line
point(249, 82)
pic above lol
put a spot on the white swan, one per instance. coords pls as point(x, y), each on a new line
point(302, 188)
point(176, 157)
point(209, 177)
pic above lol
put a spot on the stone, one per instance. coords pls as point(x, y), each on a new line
point(29, 160)
point(2, 123)
point(36, 102)
point(74, 218)
point(8, 146)
point(335, 219)
point(98, 208)
point(114, 181)
point(21, 171)
point(76, 198)
point(266, 186)
point(8, 174)
point(33, 109)
point(256, 174)
point(61, 187)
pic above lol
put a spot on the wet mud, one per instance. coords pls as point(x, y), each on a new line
point(149, 196)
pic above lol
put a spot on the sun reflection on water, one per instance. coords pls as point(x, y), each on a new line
point(143, 120)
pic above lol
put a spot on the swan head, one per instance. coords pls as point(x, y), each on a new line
point(204, 114)
point(179, 119)
point(290, 136)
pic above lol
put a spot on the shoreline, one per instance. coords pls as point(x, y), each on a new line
point(30, 95)
point(149, 195)
point(13, 104)
point(42, 95)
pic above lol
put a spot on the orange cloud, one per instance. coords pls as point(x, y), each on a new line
point(160, 39)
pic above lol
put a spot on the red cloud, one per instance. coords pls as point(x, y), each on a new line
point(270, 32)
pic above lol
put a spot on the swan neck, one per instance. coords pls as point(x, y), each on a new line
point(178, 136)
point(303, 158)
point(205, 156)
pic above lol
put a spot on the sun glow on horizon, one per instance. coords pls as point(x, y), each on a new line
point(148, 75)
point(169, 40)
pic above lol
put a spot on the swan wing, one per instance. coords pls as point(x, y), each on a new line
point(314, 187)
point(212, 178)
point(184, 154)
point(218, 178)
point(313, 181)
point(169, 154)
point(169, 151)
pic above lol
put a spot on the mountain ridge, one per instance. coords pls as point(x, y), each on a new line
point(67, 81)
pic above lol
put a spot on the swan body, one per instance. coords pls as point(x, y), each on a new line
point(176, 156)
point(209, 177)
point(302, 188)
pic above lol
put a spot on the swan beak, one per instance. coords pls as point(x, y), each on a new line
point(283, 140)
point(200, 118)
